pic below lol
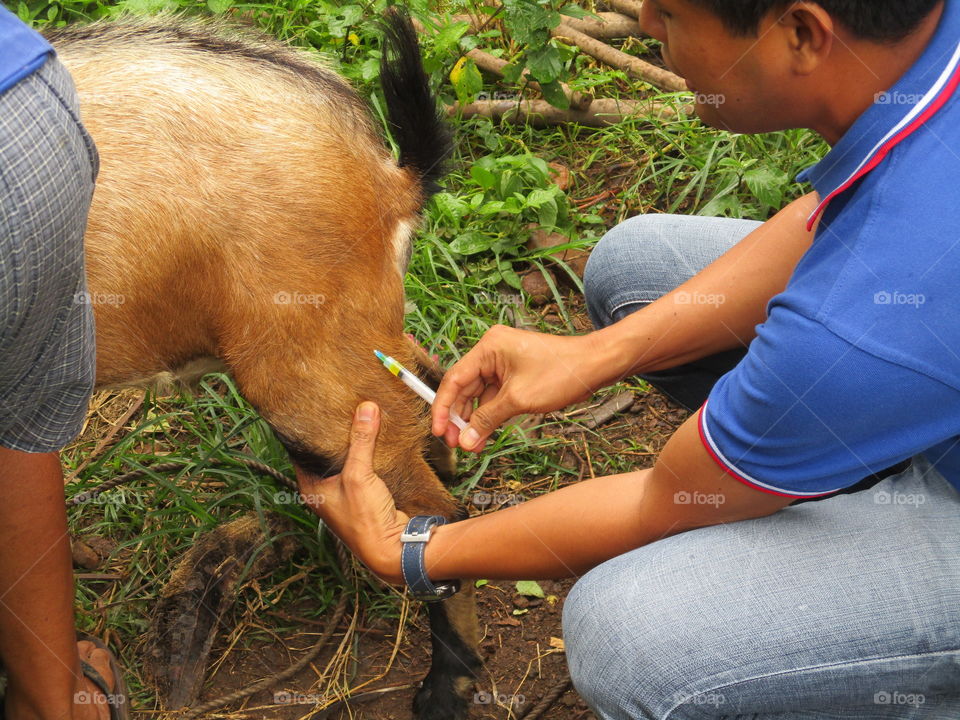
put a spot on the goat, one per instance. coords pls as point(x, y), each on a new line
point(247, 211)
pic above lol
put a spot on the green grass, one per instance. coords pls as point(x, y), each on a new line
point(463, 279)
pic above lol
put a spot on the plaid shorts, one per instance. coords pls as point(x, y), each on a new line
point(48, 165)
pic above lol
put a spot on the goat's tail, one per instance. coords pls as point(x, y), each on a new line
point(415, 121)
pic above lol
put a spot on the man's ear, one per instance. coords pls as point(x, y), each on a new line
point(809, 32)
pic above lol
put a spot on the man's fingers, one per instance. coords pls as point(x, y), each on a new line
point(484, 420)
point(363, 441)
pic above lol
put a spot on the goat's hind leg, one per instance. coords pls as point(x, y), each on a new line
point(310, 405)
point(454, 636)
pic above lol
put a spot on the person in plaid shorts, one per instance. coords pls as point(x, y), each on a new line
point(48, 165)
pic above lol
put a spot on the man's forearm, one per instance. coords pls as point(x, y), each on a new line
point(559, 534)
point(716, 310)
point(36, 586)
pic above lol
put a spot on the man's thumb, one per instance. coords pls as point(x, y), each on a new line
point(363, 437)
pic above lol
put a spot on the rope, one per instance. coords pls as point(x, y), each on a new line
point(168, 467)
point(546, 702)
point(308, 657)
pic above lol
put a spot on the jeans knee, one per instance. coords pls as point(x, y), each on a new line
point(624, 268)
point(602, 658)
point(585, 634)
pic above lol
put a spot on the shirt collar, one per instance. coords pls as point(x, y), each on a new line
point(894, 116)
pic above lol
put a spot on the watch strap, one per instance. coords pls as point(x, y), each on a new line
point(414, 540)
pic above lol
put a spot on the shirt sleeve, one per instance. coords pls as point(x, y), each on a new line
point(807, 413)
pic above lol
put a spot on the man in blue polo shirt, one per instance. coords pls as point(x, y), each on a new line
point(47, 169)
point(817, 349)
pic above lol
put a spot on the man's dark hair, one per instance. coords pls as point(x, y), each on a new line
point(877, 20)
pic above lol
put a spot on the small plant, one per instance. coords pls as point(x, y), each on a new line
point(490, 215)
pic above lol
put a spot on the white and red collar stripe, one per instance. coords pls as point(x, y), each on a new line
point(927, 107)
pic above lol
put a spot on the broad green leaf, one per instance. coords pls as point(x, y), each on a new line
point(219, 7)
point(466, 79)
point(511, 278)
point(553, 94)
point(483, 177)
point(450, 35)
point(544, 63)
point(511, 72)
point(547, 214)
point(767, 185)
point(145, 7)
point(575, 11)
point(540, 196)
point(470, 243)
point(530, 588)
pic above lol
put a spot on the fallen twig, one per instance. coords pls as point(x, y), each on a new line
point(595, 417)
point(634, 67)
point(610, 26)
point(633, 8)
point(540, 113)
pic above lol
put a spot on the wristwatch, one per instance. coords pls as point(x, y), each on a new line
point(414, 539)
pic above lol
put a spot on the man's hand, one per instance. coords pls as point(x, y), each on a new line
point(357, 505)
point(512, 372)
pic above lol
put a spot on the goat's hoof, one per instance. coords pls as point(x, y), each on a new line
point(443, 697)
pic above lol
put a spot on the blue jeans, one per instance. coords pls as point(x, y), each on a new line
point(847, 608)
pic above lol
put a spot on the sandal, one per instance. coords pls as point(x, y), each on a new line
point(117, 698)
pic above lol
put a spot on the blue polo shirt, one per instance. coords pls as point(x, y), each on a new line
point(858, 364)
point(22, 50)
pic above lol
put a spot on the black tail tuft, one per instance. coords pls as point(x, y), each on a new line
point(415, 122)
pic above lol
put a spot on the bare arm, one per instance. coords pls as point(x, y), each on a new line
point(567, 532)
point(514, 371)
point(37, 639)
point(668, 333)
point(561, 534)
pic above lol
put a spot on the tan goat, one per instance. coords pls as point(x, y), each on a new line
point(248, 212)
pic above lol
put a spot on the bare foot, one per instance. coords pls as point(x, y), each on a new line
point(89, 702)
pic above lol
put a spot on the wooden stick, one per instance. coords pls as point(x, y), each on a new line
point(634, 67)
point(540, 113)
point(610, 26)
point(633, 8)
